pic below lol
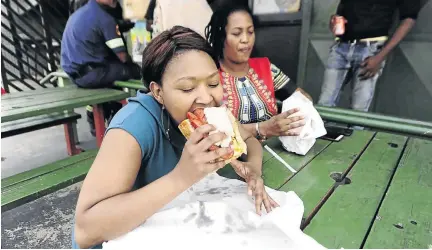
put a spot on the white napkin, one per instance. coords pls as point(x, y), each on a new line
point(217, 213)
point(313, 128)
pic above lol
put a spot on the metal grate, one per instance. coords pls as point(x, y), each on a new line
point(31, 33)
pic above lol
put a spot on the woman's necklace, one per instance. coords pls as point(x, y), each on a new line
point(241, 71)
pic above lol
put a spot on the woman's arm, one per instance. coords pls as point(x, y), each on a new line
point(106, 206)
point(254, 150)
point(250, 128)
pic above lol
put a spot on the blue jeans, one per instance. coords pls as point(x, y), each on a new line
point(343, 58)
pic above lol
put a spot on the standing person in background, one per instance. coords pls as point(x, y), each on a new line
point(363, 46)
point(93, 50)
point(252, 86)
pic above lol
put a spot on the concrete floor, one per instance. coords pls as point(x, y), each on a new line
point(45, 222)
point(31, 150)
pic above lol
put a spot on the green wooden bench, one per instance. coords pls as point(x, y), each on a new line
point(30, 185)
point(38, 122)
point(23, 105)
point(68, 118)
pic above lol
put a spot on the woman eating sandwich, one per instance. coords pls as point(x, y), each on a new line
point(251, 85)
point(146, 161)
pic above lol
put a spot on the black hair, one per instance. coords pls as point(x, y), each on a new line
point(163, 48)
point(215, 32)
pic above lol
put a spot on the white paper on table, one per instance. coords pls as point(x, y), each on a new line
point(217, 213)
point(313, 128)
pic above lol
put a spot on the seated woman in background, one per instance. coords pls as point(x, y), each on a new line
point(251, 85)
point(145, 162)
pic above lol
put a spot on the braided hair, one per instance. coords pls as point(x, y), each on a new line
point(166, 46)
point(215, 32)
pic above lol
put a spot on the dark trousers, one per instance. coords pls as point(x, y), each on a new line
point(104, 76)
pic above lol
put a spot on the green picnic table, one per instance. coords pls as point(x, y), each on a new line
point(370, 190)
point(131, 86)
point(46, 101)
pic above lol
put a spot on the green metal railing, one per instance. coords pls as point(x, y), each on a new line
point(376, 121)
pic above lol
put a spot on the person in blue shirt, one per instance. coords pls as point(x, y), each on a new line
point(144, 161)
point(93, 50)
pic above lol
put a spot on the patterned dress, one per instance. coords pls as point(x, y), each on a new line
point(252, 98)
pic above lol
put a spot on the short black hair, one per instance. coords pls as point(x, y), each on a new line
point(163, 48)
point(215, 32)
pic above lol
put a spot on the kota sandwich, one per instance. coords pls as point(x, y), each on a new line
point(223, 120)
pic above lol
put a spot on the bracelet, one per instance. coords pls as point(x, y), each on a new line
point(259, 136)
point(257, 130)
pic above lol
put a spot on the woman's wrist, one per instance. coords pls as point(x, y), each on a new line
point(263, 130)
point(180, 180)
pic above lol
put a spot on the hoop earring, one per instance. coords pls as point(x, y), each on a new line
point(166, 128)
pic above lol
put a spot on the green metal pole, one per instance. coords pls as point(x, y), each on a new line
point(365, 115)
point(391, 126)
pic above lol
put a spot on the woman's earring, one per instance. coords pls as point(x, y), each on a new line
point(166, 128)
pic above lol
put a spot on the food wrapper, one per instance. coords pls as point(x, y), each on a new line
point(217, 213)
point(313, 128)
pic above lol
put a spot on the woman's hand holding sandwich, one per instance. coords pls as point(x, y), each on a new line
point(197, 160)
point(208, 149)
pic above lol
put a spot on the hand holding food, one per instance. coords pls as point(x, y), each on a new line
point(224, 122)
point(213, 141)
point(283, 124)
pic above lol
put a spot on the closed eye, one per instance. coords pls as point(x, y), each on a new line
point(214, 85)
point(187, 90)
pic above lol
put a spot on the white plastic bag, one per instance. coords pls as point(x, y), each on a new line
point(313, 128)
point(217, 213)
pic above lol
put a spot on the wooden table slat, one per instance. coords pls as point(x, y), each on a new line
point(274, 144)
point(27, 93)
point(405, 217)
point(48, 96)
point(78, 98)
point(345, 218)
point(314, 181)
point(276, 174)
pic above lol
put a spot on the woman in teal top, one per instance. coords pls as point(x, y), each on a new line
point(144, 161)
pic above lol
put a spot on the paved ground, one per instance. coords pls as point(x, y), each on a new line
point(46, 222)
point(30, 150)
